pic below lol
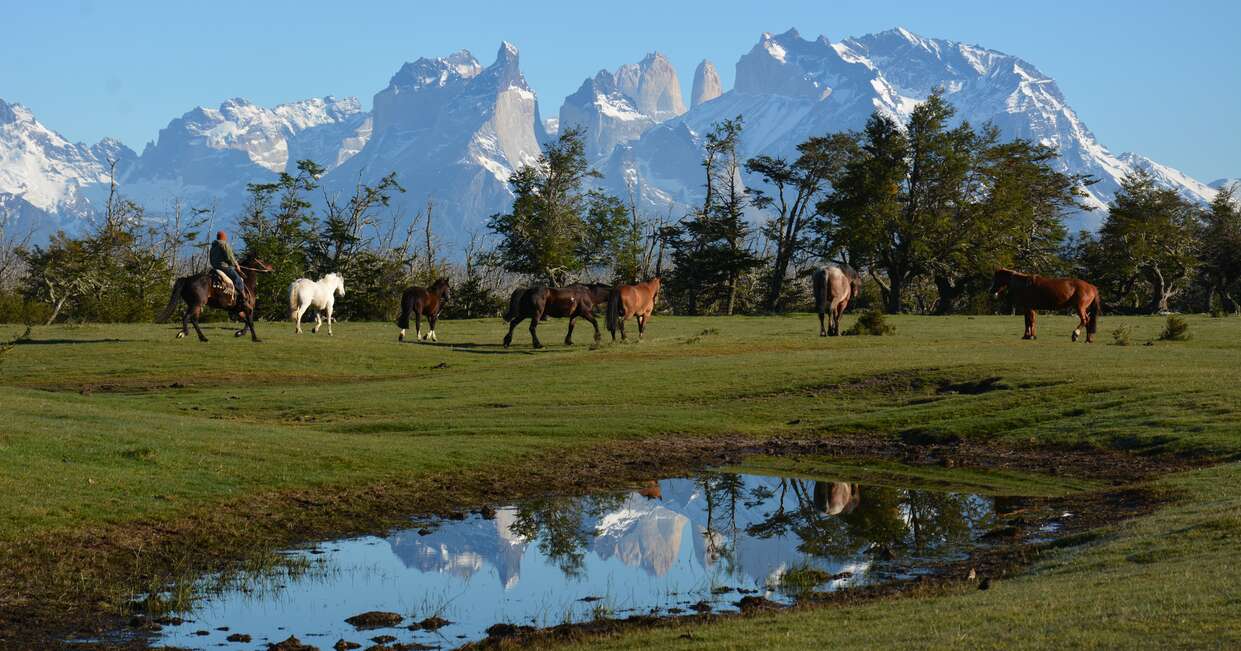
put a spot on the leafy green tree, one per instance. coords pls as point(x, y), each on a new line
point(1149, 241)
point(797, 187)
point(556, 227)
point(1221, 247)
point(710, 249)
point(279, 228)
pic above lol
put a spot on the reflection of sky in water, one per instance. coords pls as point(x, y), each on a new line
point(667, 546)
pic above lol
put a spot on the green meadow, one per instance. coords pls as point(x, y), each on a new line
point(119, 442)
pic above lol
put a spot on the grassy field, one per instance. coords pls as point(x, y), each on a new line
point(115, 428)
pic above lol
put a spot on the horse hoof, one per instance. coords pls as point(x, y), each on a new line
point(203, 339)
point(239, 333)
point(180, 335)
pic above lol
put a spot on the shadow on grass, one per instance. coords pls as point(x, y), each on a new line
point(55, 342)
point(499, 349)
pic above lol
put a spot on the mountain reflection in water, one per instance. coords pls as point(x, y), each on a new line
point(667, 545)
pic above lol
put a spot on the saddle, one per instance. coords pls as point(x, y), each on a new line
point(223, 286)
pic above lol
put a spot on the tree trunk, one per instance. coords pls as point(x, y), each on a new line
point(948, 294)
point(776, 287)
point(56, 311)
point(895, 288)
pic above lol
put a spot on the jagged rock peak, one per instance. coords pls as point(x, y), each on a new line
point(654, 86)
point(10, 113)
point(706, 84)
point(436, 72)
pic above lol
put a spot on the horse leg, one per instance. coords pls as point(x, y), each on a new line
point(822, 330)
point(534, 327)
point(418, 323)
point(329, 319)
point(590, 318)
point(297, 319)
point(185, 324)
point(318, 322)
point(622, 320)
point(641, 326)
point(250, 326)
point(568, 338)
point(1083, 320)
point(508, 338)
point(1031, 316)
point(194, 319)
point(431, 323)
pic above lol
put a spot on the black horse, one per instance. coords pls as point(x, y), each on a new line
point(211, 289)
point(538, 303)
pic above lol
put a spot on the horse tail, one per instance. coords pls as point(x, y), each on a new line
point(293, 299)
point(820, 288)
point(407, 305)
point(514, 305)
point(172, 302)
point(1093, 311)
point(614, 306)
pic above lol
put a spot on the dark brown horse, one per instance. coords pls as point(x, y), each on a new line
point(834, 287)
point(537, 303)
point(1029, 293)
point(421, 302)
point(212, 289)
point(637, 301)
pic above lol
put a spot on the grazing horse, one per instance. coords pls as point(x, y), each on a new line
point(213, 289)
point(305, 293)
point(1030, 292)
point(836, 497)
point(536, 303)
point(637, 301)
point(834, 287)
point(421, 302)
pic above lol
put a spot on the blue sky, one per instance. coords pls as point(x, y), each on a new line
point(1159, 78)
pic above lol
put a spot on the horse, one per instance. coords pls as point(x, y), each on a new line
point(834, 286)
point(213, 289)
point(1030, 292)
point(537, 303)
point(836, 497)
point(427, 302)
point(637, 301)
point(321, 294)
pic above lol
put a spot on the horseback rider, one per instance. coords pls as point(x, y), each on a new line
point(222, 259)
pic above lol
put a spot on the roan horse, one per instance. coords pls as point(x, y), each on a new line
point(637, 301)
point(1029, 292)
point(537, 303)
point(321, 294)
point(212, 289)
point(834, 287)
point(421, 302)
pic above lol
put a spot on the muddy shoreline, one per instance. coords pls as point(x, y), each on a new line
point(57, 587)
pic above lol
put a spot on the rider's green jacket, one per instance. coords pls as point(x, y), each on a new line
point(222, 255)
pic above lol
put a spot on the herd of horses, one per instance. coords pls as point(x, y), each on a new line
point(835, 287)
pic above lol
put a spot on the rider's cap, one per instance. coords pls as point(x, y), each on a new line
point(221, 235)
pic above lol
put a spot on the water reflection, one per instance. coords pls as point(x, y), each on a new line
point(668, 544)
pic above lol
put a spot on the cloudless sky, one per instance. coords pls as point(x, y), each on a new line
point(1159, 78)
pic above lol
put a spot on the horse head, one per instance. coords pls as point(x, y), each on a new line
point(338, 283)
point(1000, 281)
point(442, 288)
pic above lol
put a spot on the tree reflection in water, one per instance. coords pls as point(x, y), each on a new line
point(564, 526)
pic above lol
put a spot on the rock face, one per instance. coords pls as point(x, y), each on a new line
point(453, 131)
point(654, 85)
point(606, 115)
point(706, 84)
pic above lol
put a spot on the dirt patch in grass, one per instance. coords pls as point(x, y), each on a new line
point(79, 583)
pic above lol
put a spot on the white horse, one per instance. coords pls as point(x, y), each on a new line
point(305, 293)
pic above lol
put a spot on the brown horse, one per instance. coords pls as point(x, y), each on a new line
point(421, 302)
point(637, 301)
point(537, 303)
point(836, 497)
point(211, 289)
point(1030, 292)
point(834, 287)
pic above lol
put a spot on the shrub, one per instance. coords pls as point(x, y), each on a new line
point(1176, 329)
point(1120, 336)
point(871, 322)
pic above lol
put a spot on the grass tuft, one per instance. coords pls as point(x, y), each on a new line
point(871, 322)
point(1176, 329)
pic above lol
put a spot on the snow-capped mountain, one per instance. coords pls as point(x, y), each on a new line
point(208, 155)
point(1220, 184)
point(788, 88)
point(46, 177)
point(454, 130)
